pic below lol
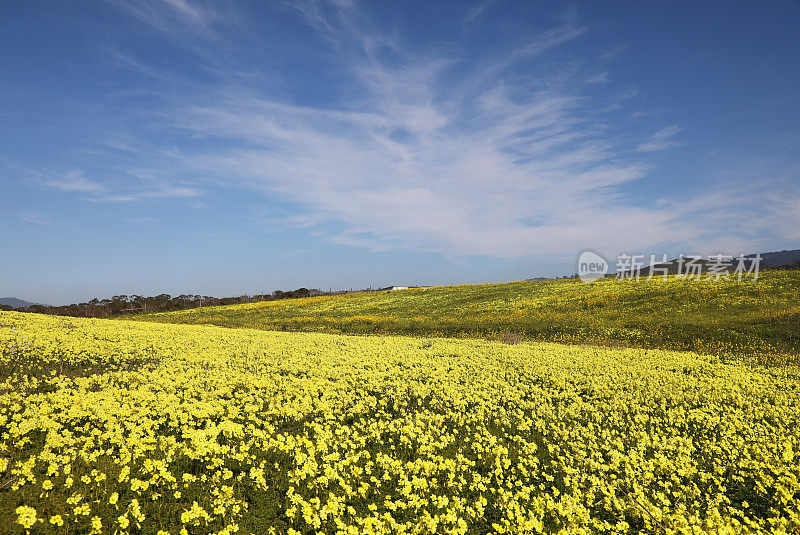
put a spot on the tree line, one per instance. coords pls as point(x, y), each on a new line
point(137, 304)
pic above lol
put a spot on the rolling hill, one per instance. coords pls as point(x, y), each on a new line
point(14, 302)
point(757, 319)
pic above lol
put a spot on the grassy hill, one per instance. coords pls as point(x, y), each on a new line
point(756, 319)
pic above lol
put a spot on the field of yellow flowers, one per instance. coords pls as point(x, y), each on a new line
point(756, 319)
point(148, 428)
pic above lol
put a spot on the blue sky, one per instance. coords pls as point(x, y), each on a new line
point(229, 147)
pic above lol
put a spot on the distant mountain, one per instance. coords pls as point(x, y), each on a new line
point(787, 259)
point(14, 302)
point(780, 258)
point(795, 265)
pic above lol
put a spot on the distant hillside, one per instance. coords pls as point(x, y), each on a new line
point(780, 258)
point(788, 259)
point(15, 303)
point(134, 304)
point(796, 265)
point(753, 318)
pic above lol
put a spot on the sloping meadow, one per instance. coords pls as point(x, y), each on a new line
point(126, 427)
point(754, 320)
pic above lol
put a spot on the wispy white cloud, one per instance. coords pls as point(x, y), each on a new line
point(166, 14)
point(97, 191)
point(159, 192)
point(599, 78)
point(36, 218)
point(484, 164)
point(74, 181)
point(431, 150)
point(476, 12)
point(661, 140)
